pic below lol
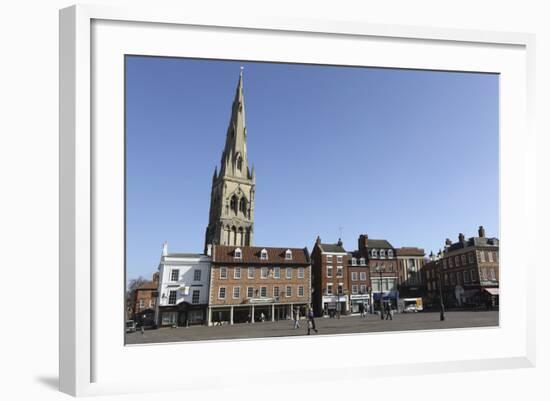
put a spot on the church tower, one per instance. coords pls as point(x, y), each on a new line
point(231, 220)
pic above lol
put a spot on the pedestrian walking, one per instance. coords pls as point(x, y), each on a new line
point(362, 309)
point(388, 311)
point(142, 330)
point(311, 322)
point(262, 317)
point(296, 316)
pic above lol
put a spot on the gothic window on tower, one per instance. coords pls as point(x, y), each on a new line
point(239, 163)
point(234, 204)
point(242, 205)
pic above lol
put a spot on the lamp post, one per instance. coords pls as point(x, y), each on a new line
point(441, 305)
point(380, 270)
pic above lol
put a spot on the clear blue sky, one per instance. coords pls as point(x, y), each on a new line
point(408, 156)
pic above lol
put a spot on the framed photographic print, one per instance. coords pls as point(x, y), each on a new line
point(248, 190)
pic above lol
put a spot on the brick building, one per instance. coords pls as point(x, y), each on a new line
point(248, 282)
point(383, 269)
point(469, 271)
point(329, 263)
point(410, 261)
point(145, 301)
point(358, 282)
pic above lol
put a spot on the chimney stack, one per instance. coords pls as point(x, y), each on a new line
point(363, 241)
point(340, 243)
point(460, 237)
point(448, 242)
point(481, 232)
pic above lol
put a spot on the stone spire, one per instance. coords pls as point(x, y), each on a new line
point(231, 220)
point(234, 162)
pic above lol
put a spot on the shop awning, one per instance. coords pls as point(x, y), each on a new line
point(386, 295)
point(492, 291)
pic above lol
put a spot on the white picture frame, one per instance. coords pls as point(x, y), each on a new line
point(92, 38)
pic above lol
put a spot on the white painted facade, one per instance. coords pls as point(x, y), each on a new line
point(183, 277)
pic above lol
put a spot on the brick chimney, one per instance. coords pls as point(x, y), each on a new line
point(481, 231)
point(363, 241)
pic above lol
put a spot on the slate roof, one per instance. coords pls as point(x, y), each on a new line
point(474, 241)
point(378, 243)
point(251, 255)
point(332, 248)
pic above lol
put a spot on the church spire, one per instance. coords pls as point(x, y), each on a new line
point(231, 220)
point(234, 158)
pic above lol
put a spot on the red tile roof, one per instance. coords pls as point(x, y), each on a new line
point(251, 255)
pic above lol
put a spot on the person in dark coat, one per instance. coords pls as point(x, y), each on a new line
point(310, 322)
point(388, 311)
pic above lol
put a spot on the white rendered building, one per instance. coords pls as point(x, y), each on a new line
point(183, 288)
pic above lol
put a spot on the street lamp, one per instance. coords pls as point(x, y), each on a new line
point(380, 269)
point(441, 305)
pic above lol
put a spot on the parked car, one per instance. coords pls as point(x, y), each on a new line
point(412, 305)
point(130, 326)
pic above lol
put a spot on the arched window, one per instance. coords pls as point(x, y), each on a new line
point(362, 261)
point(234, 204)
point(374, 254)
point(382, 253)
point(242, 205)
point(239, 163)
point(390, 253)
point(233, 235)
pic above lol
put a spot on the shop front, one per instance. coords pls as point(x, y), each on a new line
point(335, 304)
point(182, 315)
point(390, 296)
point(358, 300)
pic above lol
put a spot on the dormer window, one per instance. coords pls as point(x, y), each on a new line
point(374, 254)
point(353, 261)
point(263, 254)
point(362, 261)
point(390, 253)
point(238, 253)
point(382, 254)
point(288, 254)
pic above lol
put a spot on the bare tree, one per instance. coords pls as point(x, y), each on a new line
point(131, 287)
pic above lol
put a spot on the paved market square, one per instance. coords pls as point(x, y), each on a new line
point(325, 326)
